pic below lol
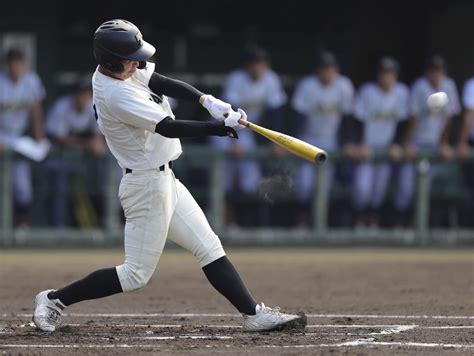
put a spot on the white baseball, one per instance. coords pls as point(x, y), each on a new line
point(437, 101)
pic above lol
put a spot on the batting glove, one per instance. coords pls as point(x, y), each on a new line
point(217, 108)
point(233, 117)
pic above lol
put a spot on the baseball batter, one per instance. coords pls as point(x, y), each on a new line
point(134, 115)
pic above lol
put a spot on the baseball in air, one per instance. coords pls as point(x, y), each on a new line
point(437, 101)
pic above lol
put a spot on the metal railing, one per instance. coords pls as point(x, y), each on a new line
point(111, 232)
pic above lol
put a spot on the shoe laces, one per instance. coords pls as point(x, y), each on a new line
point(275, 310)
point(53, 316)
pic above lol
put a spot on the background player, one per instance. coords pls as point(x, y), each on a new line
point(71, 124)
point(140, 129)
point(428, 128)
point(21, 96)
point(379, 107)
point(322, 99)
point(257, 89)
point(466, 135)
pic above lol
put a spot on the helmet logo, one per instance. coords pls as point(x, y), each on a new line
point(139, 38)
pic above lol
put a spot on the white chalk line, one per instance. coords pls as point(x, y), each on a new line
point(395, 327)
point(362, 342)
point(222, 315)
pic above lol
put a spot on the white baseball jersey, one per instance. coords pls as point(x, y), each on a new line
point(468, 100)
point(128, 112)
point(252, 96)
point(16, 100)
point(380, 112)
point(64, 119)
point(323, 106)
point(429, 123)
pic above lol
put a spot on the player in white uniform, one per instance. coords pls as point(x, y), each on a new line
point(322, 99)
point(380, 107)
point(429, 127)
point(466, 137)
point(140, 129)
point(258, 90)
point(21, 96)
point(71, 123)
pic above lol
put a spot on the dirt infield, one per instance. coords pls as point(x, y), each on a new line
point(357, 301)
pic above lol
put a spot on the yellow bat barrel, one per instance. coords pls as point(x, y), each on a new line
point(292, 144)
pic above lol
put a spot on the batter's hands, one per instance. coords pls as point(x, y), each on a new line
point(233, 117)
point(217, 108)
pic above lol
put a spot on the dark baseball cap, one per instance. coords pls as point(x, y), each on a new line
point(15, 54)
point(388, 64)
point(325, 59)
point(255, 54)
point(436, 62)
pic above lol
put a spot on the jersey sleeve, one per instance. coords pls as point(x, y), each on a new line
point(56, 124)
point(276, 95)
point(300, 102)
point(347, 90)
point(361, 106)
point(36, 89)
point(468, 94)
point(144, 75)
point(233, 90)
point(417, 101)
point(454, 106)
point(402, 105)
point(129, 109)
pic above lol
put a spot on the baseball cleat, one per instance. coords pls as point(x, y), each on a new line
point(271, 319)
point(48, 312)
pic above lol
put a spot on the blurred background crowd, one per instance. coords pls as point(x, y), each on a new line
point(367, 106)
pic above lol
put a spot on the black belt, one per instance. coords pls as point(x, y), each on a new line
point(161, 168)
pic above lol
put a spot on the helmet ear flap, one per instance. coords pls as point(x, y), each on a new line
point(115, 66)
point(108, 61)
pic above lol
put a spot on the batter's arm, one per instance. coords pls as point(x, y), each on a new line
point(186, 128)
point(173, 88)
point(177, 89)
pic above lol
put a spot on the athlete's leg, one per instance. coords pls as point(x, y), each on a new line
point(22, 188)
point(363, 185)
point(381, 179)
point(147, 200)
point(189, 228)
point(305, 179)
point(406, 187)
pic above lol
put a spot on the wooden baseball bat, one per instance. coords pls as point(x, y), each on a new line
point(289, 143)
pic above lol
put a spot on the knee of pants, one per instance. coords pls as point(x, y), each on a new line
point(133, 277)
point(209, 252)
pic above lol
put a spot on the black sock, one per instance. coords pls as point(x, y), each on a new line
point(98, 284)
point(225, 279)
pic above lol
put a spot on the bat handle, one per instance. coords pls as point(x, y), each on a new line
point(244, 122)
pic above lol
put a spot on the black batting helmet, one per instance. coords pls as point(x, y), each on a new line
point(120, 39)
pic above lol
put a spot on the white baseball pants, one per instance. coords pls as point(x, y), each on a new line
point(158, 206)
